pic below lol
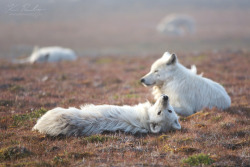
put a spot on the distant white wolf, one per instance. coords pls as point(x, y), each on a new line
point(176, 25)
point(95, 119)
point(49, 54)
point(188, 91)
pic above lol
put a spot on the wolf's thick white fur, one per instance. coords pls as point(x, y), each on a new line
point(94, 119)
point(49, 54)
point(188, 91)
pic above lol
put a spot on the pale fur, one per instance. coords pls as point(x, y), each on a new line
point(177, 24)
point(188, 91)
point(95, 119)
point(49, 54)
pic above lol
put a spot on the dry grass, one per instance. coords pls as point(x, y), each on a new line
point(209, 137)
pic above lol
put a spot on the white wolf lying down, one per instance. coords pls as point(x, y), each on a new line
point(49, 54)
point(177, 24)
point(92, 119)
point(188, 91)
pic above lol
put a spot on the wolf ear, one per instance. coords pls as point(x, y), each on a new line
point(172, 59)
point(155, 128)
point(47, 56)
point(36, 48)
point(176, 125)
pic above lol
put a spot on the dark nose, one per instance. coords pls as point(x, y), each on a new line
point(165, 98)
point(142, 80)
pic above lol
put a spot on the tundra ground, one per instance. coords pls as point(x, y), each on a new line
point(209, 137)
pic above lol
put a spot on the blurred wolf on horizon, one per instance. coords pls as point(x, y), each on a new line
point(48, 54)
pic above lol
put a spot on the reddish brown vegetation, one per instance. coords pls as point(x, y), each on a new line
point(222, 135)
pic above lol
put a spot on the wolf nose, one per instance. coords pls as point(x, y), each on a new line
point(142, 80)
point(165, 97)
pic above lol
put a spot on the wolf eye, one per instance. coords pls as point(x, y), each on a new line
point(159, 113)
point(170, 111)
point(156, 71)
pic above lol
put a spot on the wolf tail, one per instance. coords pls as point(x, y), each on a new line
point(21, 61)
point(194, 70)
point(60, 121)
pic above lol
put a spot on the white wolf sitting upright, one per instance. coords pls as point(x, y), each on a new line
point(49, 54)
point(188, 91)
point(92, 119)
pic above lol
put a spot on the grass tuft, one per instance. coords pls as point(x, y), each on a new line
point(217, 118)
point(168, 148)
point(200, 114)
point(163, 137)
point(21, 119)
point(186, 140)
point(199, 159)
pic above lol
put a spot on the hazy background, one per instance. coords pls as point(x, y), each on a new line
point(120, 27)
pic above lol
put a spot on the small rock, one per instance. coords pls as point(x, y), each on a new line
point(45, 78)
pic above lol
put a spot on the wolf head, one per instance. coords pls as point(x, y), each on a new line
point(39, 55)
point(161, 70)
point(162, 116)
